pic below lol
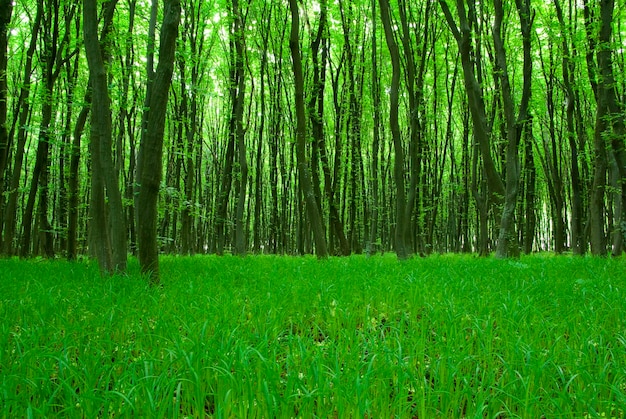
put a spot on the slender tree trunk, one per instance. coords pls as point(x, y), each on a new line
point(482, 132)
point(6, 10)
point(260, 156)
point(22, 116)
point(73, 181)
point(236, 127)
point(314, 216)
point(39, 181)
point(193, 35)
point(151, 148)
point(401, 221)
point(372, 243)
point(530, 191)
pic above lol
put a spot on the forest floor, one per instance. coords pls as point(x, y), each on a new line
point(280, 337)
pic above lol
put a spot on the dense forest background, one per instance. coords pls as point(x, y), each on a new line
point(297, 127)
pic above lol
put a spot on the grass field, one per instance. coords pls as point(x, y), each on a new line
point(266, 337)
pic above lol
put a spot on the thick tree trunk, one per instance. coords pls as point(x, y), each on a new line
point(312, 211)
point(613, 113)
point(151, 148)
point(609, 129)
point(111, 216)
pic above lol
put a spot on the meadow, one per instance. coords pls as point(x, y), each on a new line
point(281, 337)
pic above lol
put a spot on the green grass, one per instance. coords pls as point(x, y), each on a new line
point(265, 337)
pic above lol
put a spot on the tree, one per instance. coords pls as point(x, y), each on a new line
point(238, 90)
point(471, 63)
point(312, 208)
point(108, 227)
point(610, 124)
point(398, 171)
point(150, 167)
point(20, 118)
point(6, 10)
point(433, 143)
point(507, 241)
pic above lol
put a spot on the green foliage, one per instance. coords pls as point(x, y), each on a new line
point(446, 336)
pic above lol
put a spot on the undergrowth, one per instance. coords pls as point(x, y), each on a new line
point(282, 337)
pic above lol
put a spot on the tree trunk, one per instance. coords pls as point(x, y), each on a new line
point(236, 127)
point(111, 216)
point(373, 239)
point(6, 10)
point(151, 148)
point(568, 68)
point(612, 112)
point(401, 221)
point(314, 216)
point(507, 241)
point(530, 194)
point(39, 181)
point(21, 117)
point(482, 132)
point(316, 115)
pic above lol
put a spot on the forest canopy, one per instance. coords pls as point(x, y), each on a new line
point(295, 127)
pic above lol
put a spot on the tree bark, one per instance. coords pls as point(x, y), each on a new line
point(6, 10)
point(236, 126)
point(21, 117)
point(613, 113)
point(507, 241)
point(312, 211)
point(401, 221)
point(316, 115)
point(373, 239)
point(109, 217)
point(482, 132)
point(151, 148)
point(568, 67)
point(52, 60)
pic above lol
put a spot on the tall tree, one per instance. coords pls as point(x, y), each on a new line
point(22, 114)
point(611, 110)
point(108, 227)
point(312, 208)
point(372, 245)
point(470, 63)
point(609, 125)
point(316, 106)
point(55, 52)
point(394, 98)
point(507, 241)
point(150, 164)
point(6, 10)
point(236, 124)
